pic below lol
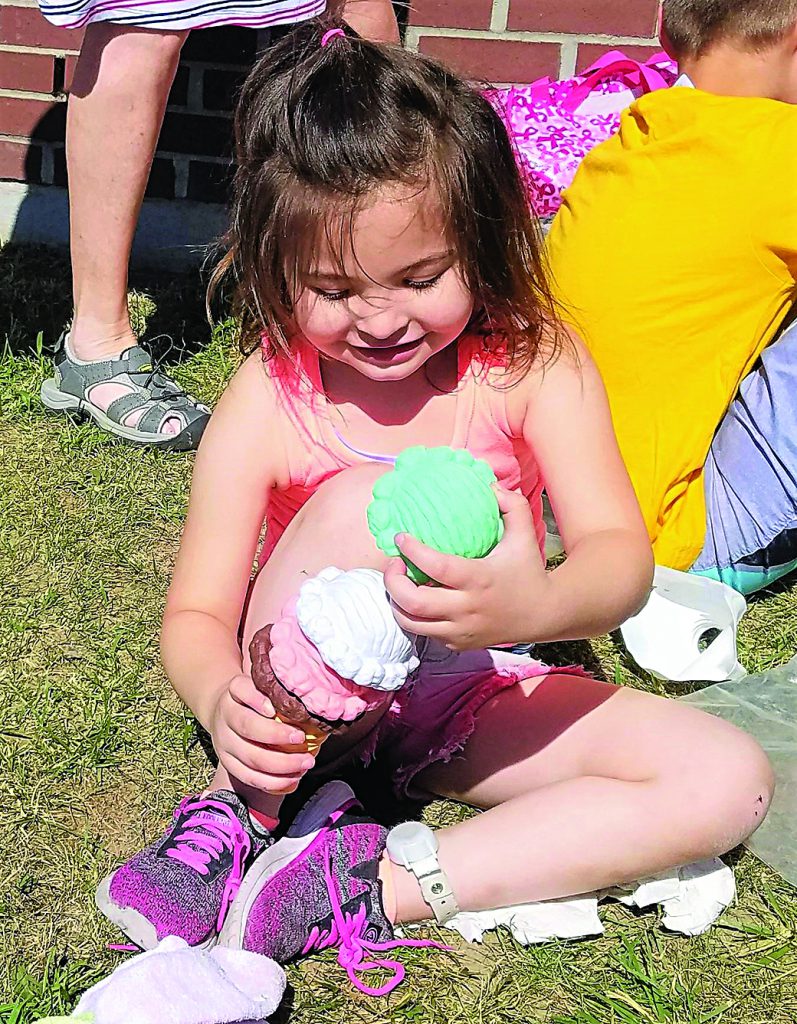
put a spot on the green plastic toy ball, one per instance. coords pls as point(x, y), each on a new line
point(443, 497)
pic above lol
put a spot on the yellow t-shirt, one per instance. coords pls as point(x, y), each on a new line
point(675, 256)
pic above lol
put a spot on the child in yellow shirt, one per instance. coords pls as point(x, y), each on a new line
point(675, 253)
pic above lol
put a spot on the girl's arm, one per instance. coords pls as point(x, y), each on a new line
point(236, 467)
point(508, 597)
point(609, 567)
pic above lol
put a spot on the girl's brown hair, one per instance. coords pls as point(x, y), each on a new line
point(319, 129)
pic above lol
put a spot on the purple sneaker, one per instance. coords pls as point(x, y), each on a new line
point(318, 890)
point(184, 882)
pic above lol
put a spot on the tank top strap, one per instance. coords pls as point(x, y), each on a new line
point(301, 399)
point(483, 420)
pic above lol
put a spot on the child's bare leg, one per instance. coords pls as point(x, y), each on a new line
point(586, 786)
point(330, 529)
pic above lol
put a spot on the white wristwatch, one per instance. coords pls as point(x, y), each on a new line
point(414, 846)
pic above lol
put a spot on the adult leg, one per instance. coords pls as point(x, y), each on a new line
point(586, 785)
point(115, 111)
point(372, 19)
point(116, 106)
point(751, 478)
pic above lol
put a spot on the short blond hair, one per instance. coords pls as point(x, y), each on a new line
point(692, 26)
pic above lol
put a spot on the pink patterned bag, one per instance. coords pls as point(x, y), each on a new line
point(555, 124)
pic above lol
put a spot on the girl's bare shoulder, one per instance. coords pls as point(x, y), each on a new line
point(245, 427)
point(560, 365)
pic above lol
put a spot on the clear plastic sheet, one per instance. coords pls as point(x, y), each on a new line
point(765, 705)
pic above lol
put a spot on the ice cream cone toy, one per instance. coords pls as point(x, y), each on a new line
point(288, 708)
point(305, 692)
point(443, 497)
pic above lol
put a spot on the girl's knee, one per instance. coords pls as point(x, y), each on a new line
point(751, 780)
point(357, 480)
point(333, 521)
point(731, 790)
point(343, 499)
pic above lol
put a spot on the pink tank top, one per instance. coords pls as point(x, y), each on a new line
point(315, 452)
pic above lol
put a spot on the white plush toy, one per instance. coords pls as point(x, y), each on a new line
point(179, 984)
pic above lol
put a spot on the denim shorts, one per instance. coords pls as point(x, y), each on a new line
point(751, 477)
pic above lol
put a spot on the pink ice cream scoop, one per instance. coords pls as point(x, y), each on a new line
point(287, 667)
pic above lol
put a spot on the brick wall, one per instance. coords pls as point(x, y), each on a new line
point(497, 40)
point(507, 41)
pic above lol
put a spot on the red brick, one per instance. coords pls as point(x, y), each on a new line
point(19, 161)
point(451, 13)
point(29, 72)
point(70, 64)
point(24, 26)
point(494, 60)
point(588, 53)
point(29, 118)
point(585, 17)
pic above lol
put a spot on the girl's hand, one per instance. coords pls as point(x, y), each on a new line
point(481, 601)
point(246, 736)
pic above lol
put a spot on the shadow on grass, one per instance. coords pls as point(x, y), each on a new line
point(571, 652)
point(36, 299)
point(782, 586)
point(285, 1008)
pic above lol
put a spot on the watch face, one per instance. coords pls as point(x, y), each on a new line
point(411, 842)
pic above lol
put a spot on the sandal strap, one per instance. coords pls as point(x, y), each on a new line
point(121, 407)
point(153, 419)
point(132, 361)
point(156, 409)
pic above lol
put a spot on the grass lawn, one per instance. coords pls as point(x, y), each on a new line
point(95, 750)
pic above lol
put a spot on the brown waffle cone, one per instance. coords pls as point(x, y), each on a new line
point(289, 708)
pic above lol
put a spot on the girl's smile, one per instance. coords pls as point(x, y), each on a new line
point(389, 355)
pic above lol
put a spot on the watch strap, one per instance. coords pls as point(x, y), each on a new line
point(435, 888)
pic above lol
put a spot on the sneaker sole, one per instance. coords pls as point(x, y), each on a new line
point(134, 925)
point(306, 826)
point(60, 401)
point(273, 860)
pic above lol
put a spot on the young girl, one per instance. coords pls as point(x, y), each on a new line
point(391, 292)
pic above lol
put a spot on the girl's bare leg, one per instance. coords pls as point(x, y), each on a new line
point(586, 785)
point(330, 529)
point(116, 106)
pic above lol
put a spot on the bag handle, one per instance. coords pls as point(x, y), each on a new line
point(648, 77)
point(540, 90)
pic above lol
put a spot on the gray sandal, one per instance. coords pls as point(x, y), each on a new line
point(147, 388)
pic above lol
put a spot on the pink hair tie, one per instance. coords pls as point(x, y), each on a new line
point(330, 34)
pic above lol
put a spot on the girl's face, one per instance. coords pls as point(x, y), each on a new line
point(398, 298)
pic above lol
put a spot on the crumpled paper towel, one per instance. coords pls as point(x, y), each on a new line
point(691, 899)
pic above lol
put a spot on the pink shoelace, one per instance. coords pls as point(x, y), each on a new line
point(356, 953)
point(196, 849)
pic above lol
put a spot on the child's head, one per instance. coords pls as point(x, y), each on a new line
point(378, 209)
point(755, 36)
